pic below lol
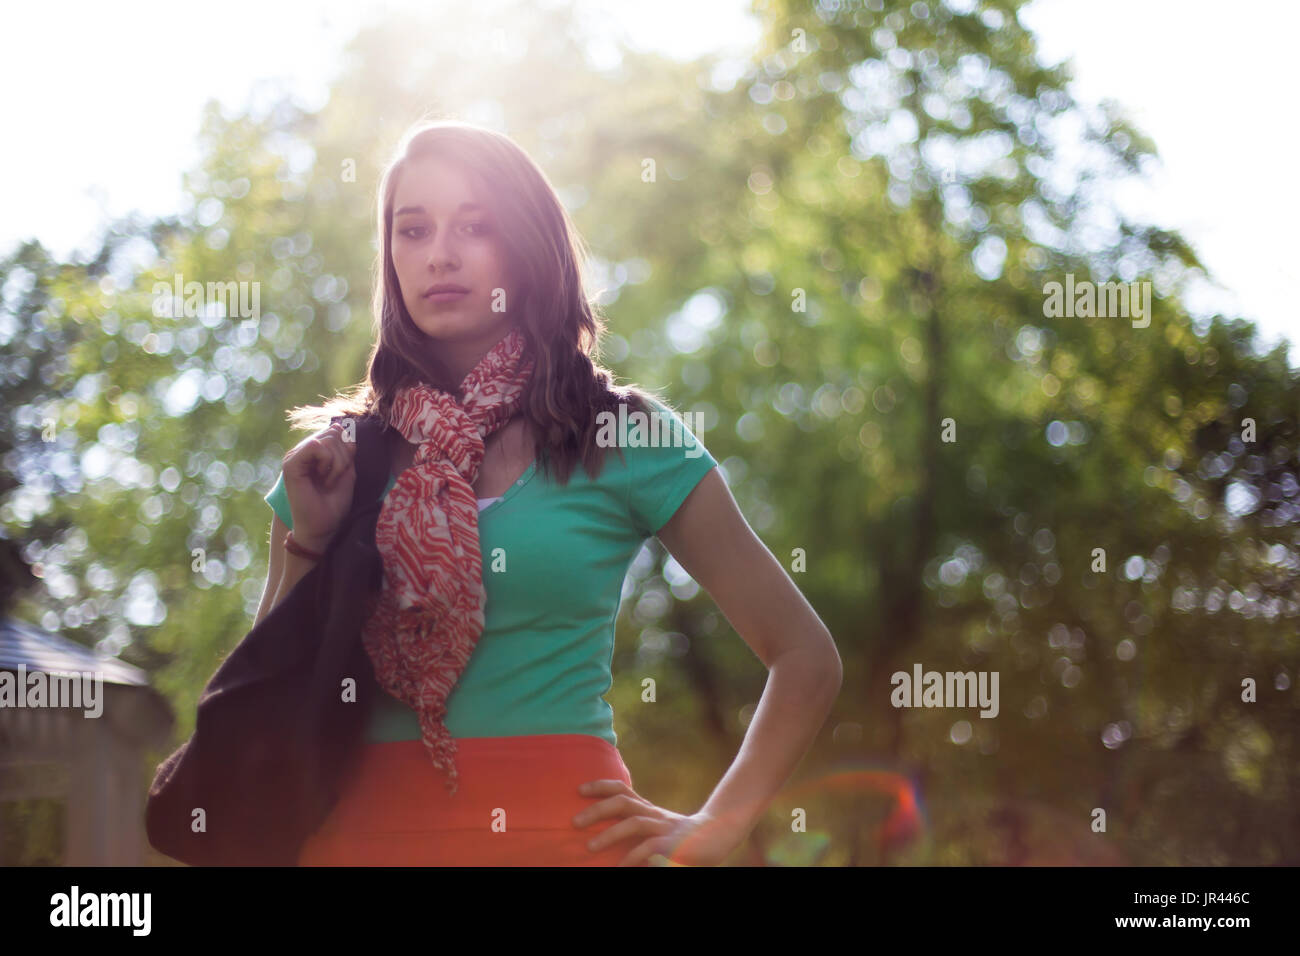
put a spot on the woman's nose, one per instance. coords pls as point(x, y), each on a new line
point(439, 256)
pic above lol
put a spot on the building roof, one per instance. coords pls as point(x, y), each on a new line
point(39, 650)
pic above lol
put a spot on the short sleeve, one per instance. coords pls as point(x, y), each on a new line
point(278, 499)
point(665, 468)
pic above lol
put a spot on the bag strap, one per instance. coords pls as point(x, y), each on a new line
point(371, 462)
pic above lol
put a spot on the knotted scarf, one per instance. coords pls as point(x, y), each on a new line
point(429, 613)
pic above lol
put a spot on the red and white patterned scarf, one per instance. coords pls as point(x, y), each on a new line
point(429, 614)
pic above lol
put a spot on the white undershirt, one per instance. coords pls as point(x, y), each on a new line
point(484, 502)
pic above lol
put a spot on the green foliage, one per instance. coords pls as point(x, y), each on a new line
point(31, 832)
point(908, 180)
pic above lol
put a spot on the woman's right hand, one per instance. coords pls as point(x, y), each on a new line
point(319, 477)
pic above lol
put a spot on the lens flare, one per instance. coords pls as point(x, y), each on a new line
point(904, 826)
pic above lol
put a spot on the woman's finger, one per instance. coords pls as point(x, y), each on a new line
point(329, 444)
point(322, 461)
point(625, 829)
point(306, 460)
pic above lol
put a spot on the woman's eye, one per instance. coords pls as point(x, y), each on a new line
point(419, 232)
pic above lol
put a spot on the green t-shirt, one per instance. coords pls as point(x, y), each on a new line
point(554, 561)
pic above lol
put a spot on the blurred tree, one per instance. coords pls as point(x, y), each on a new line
point(840, 245)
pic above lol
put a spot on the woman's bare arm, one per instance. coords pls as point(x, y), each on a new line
point(275, 568)
point(284, 570)
point(714, 544)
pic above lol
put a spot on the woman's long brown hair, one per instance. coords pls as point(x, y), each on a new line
point(561, 326)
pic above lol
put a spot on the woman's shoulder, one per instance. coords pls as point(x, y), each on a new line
point(666, 458)
point(656, 435)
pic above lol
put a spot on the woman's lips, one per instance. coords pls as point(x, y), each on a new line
point(445, 296)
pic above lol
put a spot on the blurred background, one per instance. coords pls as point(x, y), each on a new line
point(856, 208)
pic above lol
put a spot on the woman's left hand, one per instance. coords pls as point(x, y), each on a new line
point(688, 840)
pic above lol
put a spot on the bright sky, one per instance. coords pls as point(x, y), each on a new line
point(1209, 83)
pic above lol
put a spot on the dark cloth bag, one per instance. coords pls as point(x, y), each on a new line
point(274, 738)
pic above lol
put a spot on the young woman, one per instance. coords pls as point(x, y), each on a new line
point(494, 632)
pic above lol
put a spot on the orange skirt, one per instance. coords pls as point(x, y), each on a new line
point(515, 806)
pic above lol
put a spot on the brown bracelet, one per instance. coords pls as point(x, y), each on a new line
point(293, 547)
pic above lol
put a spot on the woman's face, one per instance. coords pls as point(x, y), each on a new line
point(443, 234)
